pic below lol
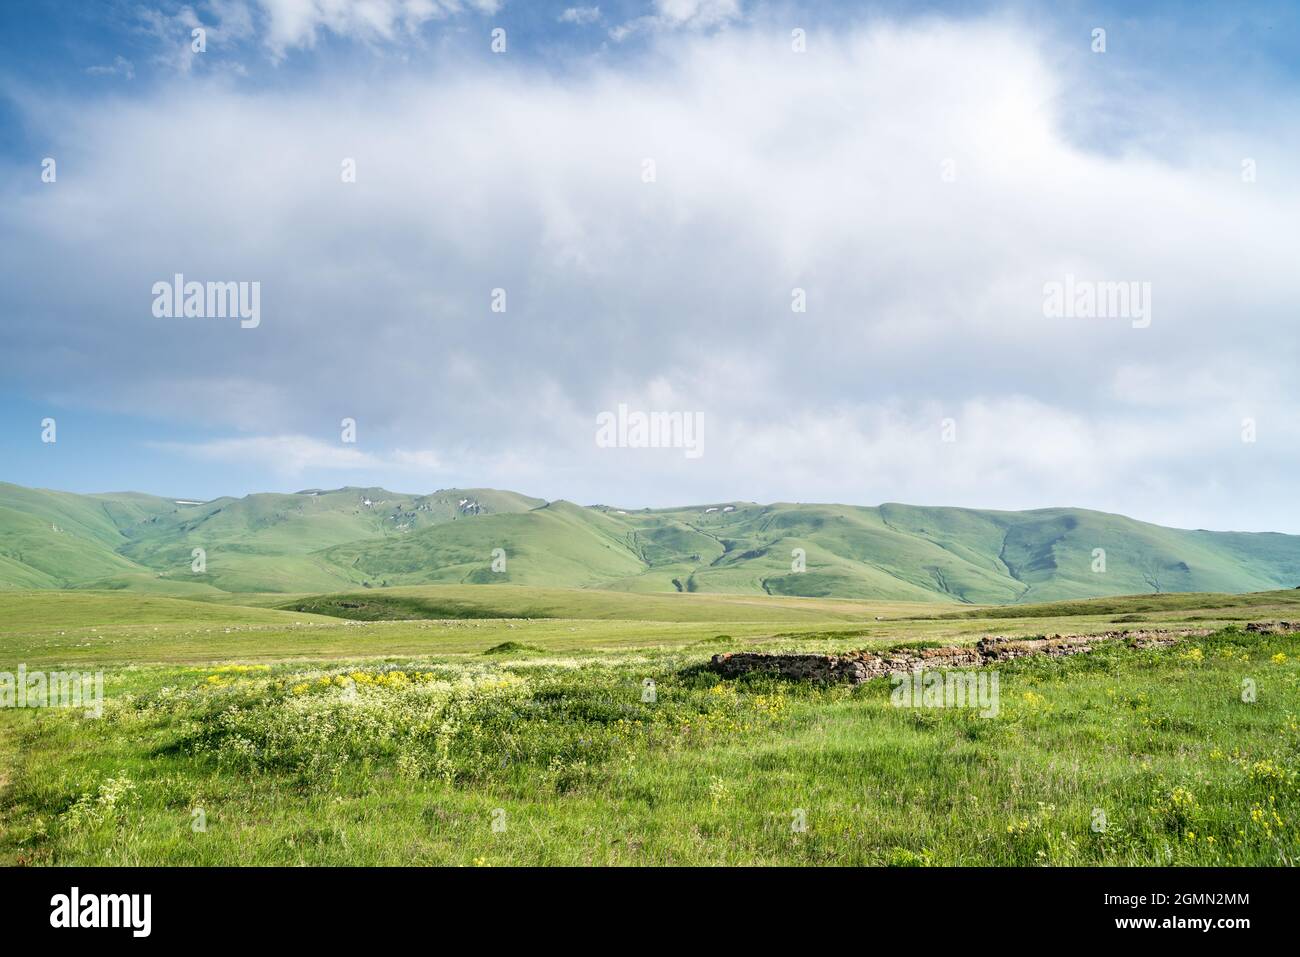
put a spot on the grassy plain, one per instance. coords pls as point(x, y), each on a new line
point(298, 737)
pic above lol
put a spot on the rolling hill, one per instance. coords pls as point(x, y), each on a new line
point(339, 540)
point(263, 542)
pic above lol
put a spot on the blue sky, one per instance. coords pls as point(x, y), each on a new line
point(110, 47)
point(822, 171)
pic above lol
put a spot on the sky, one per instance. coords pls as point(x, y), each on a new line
point(826, 235)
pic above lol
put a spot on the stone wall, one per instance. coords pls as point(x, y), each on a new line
point(856, 667)
point(1274, 627)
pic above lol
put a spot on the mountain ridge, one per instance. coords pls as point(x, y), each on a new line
point(319, 540)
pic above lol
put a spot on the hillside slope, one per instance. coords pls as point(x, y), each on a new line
point(262, 542)
point(330, 541)
point(894, 552)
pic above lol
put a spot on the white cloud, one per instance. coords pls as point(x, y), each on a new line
point(697, 12)
point(579, 15)
point(120, 66)
point(224, 22)
point(422, 460)
point(680, 14)
point(294, 455)
point(281, 454)
point(296, 23)
point(822, 171)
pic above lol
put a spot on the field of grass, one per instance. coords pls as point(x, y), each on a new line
point(293, 736)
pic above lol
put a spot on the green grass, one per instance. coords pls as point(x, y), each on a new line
point(123, 628)
point(508, 601)
point(301, 742)
point(264, 542)
point(1224, 607)
point(315, 541)
point(581, 770)
point(511, 648)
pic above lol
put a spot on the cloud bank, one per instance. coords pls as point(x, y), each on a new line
point(652, 227)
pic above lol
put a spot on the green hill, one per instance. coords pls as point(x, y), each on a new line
point(893, 552)
point(263, 542)
point(554, 544)
point(339, 540)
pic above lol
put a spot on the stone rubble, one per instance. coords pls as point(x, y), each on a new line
point(1274, 627)
point(856, 667)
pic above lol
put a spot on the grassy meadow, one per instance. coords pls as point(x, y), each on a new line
point(500, 725)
